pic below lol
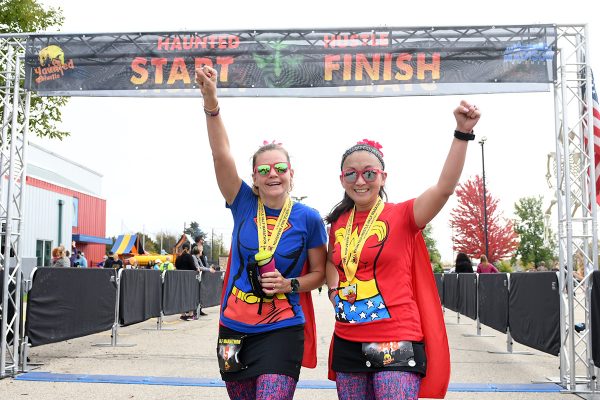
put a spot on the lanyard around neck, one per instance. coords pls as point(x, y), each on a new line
point(351, 254)
point(268, 242)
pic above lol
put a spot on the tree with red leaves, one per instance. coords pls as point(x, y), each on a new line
point(467, 220)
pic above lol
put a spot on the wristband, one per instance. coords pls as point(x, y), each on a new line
point(459, 135)
point(213, 112)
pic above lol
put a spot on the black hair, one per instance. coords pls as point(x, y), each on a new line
point(185, 246)
point(463, 258)
point(347, 203)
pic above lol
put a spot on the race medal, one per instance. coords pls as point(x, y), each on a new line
point(350, 292)
point(268, 243)
point(350, 254)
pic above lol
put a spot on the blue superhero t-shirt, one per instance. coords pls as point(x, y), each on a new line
point(241, 310)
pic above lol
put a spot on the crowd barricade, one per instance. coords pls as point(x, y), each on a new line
point(493, 301)
point(525, 306)
point(451, 291)
point(141, 295)
point(211, 285)
point(180, 292)
point(534, 310)
point(467, 295)
point(595, 317)
point(66, 303)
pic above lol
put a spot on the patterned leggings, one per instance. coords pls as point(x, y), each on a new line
point(385, 385)
point(263, 387)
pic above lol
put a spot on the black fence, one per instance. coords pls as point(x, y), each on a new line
point(525, 304)
point(67, 303)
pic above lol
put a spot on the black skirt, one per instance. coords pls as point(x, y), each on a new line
point(348, 357)
point(275, 352)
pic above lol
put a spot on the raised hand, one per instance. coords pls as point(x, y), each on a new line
point(467, 115)
point(206, 78)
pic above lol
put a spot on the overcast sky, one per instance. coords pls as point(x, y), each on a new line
point(154, 153)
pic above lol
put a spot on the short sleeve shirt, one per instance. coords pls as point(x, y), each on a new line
point(305, 230)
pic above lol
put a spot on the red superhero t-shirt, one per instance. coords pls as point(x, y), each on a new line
point(379, 300)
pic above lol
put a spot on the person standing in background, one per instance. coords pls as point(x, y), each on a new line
point(485, 267)
point(463, 264)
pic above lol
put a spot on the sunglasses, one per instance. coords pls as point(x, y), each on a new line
point(280, 167)
point(350, 175)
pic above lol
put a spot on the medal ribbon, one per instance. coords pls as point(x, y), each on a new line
point(268, 242)
point(350, 257)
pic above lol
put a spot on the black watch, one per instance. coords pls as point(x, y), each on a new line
point(295, 285)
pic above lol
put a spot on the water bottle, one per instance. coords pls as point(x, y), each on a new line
point(265, 261)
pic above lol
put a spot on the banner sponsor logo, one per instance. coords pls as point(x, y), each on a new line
point(522, 53)
point(52, 64)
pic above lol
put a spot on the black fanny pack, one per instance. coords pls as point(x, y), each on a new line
point(253, 272)
point(228, 353)
point(389, 354)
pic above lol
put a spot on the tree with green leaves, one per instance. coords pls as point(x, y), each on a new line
point(165, 241)
point(22, 16)
point(434, 254)
point(530, 227)
point(194, 230)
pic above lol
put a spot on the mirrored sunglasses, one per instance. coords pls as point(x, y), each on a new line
point(280, 167)
point(350, 175)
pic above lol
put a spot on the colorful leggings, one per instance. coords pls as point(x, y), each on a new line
point(263, 387)
point(385, 385)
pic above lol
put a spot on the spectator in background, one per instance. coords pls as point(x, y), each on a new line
point(80, 260)
point(72, 255)
point(201, 266)
point(485, 267)
point(168, 265)
point(132, 263)
point(117, 262)
point(108, 262)
point(59, 259)
point(463, 264)
point(113, 261)
point(542, 267)
point(101, 263)
point(185, 262)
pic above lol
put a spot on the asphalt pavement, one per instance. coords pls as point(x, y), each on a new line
point(179, 362)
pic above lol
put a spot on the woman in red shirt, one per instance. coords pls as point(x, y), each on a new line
point(380, 280)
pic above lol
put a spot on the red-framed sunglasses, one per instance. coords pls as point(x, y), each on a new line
point(350, 175)
point(280, 167)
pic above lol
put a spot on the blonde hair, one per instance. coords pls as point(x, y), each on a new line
point(483, 259)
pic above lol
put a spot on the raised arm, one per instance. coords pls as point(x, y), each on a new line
point(428, 204)
point(225, 170)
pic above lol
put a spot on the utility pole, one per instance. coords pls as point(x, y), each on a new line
point(485, 221)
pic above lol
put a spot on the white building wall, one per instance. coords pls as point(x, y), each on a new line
point(88, 180)
point(41, 219)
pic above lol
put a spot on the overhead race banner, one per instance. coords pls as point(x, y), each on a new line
point(296, 63)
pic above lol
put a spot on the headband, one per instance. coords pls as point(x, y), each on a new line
point(371, 146)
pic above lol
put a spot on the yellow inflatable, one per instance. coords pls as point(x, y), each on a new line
point(148, 259)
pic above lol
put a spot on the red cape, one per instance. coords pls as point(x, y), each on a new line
point(435, 384)
point(310, 331)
